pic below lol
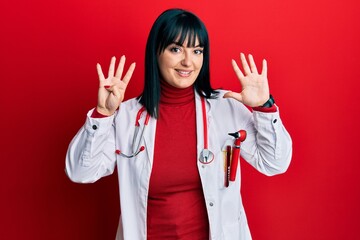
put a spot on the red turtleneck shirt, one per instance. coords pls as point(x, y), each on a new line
point(176, 205)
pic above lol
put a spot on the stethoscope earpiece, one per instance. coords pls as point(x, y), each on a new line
point(142, 148)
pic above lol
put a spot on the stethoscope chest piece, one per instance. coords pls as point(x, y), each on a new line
point(206, 156)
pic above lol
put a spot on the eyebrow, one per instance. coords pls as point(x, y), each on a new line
point(180, 45)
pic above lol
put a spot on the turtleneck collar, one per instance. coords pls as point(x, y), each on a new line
point(175, 96)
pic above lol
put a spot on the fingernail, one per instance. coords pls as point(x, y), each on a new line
point(107, 86)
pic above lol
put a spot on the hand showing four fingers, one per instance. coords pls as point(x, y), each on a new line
point(255, 87)
point(112, 89)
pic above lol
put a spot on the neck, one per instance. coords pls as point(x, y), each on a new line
point(175, 96)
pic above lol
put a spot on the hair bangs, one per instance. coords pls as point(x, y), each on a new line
point(185, 28)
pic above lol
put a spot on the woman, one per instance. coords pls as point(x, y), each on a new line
point(171, 167)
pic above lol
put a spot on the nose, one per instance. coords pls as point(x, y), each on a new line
point(186, 60)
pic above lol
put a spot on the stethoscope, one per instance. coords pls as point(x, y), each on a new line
point(206, 156)
point(137, 149)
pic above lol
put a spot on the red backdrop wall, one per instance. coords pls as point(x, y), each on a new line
point(49, 50)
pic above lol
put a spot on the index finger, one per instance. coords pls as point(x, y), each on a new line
point(245, 65)
point(237, 70)
point(100, 72)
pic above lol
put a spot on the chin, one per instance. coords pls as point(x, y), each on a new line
point(184, 85)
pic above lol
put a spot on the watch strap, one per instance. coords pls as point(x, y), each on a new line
point(269, 103)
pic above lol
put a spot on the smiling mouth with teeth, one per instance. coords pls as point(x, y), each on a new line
point(183, 73)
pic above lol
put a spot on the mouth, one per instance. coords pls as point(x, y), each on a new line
point(183, 73)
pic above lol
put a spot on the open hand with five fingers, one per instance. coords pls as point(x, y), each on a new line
point(255, 87)
point(112, 89)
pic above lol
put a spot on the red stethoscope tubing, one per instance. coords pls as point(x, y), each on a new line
point(203, 107)
point(206, 156)
point(138, 116)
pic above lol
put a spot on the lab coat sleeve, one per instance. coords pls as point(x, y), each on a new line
point(91, 153)
point(268, 146)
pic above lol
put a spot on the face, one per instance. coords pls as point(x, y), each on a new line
point(180, 65)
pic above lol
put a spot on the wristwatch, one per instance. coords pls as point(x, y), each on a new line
point(269, 103)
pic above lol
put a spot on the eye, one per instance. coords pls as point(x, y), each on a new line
point(175, 49)
point(198, 51)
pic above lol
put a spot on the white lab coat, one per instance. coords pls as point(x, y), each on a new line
point(268, 148)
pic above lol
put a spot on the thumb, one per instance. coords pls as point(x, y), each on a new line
point(234, 95)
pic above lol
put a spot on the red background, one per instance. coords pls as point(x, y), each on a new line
point(49, 50)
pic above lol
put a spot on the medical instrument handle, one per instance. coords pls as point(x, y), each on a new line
point(227, 165)
point(203, 106)
point(240, 136)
